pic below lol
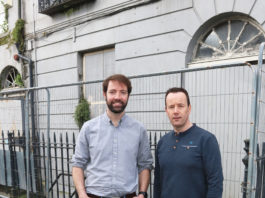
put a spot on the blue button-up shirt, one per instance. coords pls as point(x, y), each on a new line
point(112, 157)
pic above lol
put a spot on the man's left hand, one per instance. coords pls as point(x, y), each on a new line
point(139, 196)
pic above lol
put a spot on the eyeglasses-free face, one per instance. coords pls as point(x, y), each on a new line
point(116, 96)
point(178, 110)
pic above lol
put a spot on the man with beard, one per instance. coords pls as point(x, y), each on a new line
point(112, 150)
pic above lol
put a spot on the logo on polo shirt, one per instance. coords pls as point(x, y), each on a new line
point(189, 145)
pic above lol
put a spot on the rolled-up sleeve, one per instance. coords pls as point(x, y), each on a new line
point(81, 156)
point(144, 159)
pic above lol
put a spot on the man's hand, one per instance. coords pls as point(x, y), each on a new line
point(78, 178)
point(139, 196)
point(83, 195)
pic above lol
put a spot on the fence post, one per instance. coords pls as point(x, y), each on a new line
point(56, 164)
point(252, 169)
point(27, 142)
point(62, 163)
point(4, 153)
point(68, 162)
point(12, 163)
point(263, 169)
point(245, 161)
point(48, 145)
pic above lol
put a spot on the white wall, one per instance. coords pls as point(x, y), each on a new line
point(147, 39)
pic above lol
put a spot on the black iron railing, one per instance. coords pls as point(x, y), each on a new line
point(53, 6)
point(13, 171)
point(260, 187)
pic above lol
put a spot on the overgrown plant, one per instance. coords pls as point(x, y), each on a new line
point(5, 40)
point(4, 25)
point(82, 112)
point(19, 81)
point(69, 12)
point(18, 34)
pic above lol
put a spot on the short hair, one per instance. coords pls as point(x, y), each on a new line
point(176, 90)
point(120, 78)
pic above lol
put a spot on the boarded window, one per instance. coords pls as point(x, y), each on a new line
point(98, 65)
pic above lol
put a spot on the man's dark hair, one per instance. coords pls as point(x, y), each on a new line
point(176, 90)
point(120, 78)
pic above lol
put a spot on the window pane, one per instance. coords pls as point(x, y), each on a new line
point(222, 31)
point(99, 65)
point(212, 40)
point(249, 32)
point(236, 27)
point(204, 52)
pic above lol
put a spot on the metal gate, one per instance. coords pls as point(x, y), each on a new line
point(256, 174)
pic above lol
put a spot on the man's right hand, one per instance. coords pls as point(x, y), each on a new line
point(83, 195)
point(78, 178)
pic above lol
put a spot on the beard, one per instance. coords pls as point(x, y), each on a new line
point(117, 110)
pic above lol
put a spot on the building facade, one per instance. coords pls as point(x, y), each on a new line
point(93, 39)
point(87, 40)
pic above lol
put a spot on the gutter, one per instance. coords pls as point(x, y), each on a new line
point(31, 94)
point(30, 77)
point(19, 9)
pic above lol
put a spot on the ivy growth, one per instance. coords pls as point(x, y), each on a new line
point(4, 25)
point(19, 81)
point(4, 40)
point(69, 12)
point(82, 112)
point(18, 34)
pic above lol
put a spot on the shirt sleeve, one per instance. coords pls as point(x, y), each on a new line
point(81, 156)
point(213, 168)
point(157, 182)
point(144, 158)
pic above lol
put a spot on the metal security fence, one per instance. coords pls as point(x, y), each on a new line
point(227, 100)
point(13, 172)
point(259, 138)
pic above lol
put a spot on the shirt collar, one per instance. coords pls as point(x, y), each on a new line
point(108, 120)
point(181, 134)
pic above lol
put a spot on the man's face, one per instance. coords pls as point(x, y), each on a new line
point(178, 110)
point(116, 96)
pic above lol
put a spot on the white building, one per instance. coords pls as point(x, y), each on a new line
point(95, 38)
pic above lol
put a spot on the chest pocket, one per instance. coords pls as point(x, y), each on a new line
point(191, 154)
